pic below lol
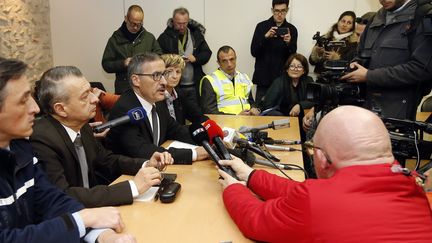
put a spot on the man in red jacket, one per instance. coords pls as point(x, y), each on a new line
point(361, 194)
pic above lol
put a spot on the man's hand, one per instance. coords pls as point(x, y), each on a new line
point(97, 92)
point(254, 111)
point(227, 179)
point(160, 160)
point(146, 178)
point(295, 111)
point(201, 153)
point(428, 183)
point(127, 61)
point(191, 58)
point(104, 217)
point(241, 169)
point(356, 76)
point(271, 32)
point(101, 134)
point(287, 38)
point(109, 236)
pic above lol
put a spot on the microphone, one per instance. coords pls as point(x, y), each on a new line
point(275, 125)
point(250, 146)
point(200, 137)
point(134, 115)
point(250, 159)
point(282, 141)
point(280, 148)
point(216, 135)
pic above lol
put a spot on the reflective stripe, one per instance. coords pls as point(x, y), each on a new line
point(9, 200)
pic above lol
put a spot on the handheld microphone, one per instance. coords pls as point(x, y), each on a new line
point(250, 159)
point(280, 148)
point(200, 137)
point(282, 141)
point(246, 144)
point(216, 135)
point(134, 115)
point(275, 125)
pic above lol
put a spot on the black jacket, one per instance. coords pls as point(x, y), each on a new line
point(136, 140)
point(270, 54)
point(185, 108)
point(168, 41)
point(281, 93)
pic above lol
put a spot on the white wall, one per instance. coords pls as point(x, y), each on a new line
point(81, 28)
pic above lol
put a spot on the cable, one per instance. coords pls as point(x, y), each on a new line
point(417, 150)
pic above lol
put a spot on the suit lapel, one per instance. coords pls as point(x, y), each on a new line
point(133, 100)
point(65, 136)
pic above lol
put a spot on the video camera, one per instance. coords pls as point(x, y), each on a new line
point(407, 140)
point(326, 43)
point(329, 91)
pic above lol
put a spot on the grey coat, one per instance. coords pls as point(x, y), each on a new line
point(398, 56)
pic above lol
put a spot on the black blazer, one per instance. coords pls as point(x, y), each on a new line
point(136, 140)
point(56, 152)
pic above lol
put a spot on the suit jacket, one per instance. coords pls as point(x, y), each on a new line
point(55, 149)
point(136, 140)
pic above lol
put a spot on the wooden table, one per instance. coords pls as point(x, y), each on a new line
point(198, 213)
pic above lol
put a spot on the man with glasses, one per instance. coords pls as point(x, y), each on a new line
point(362, 194)
point(147, 74)
point(185, 37)
point(274, 40)
point(129, 40)
point(226, 90)
point(73, 158)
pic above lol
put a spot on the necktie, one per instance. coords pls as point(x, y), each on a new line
point(155, 126)
point(79, 148)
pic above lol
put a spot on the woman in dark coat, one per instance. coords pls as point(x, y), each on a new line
point(287, 94)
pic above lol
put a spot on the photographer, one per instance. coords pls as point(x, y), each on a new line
point(342, 31)
point(394, 60)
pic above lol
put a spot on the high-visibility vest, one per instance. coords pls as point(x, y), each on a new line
point(231, 99)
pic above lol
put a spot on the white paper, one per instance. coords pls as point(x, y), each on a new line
point(177, 144)
point(147, 196)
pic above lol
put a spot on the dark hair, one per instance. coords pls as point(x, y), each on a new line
point(302, 59)
point(274, 2)
point(346, 13)
point(181, 11)
point(365, 18)
point(135, 8)
point(9, 69)
point(135, 65)
point(225, 49)
point(51, 89)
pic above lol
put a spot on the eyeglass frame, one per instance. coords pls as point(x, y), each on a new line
point(132, 24)
point(295, 68)
point(155, 75)
point(310, 145)
point(280, 11)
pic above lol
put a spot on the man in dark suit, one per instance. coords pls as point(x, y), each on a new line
point(81, 168)
point(147, 77)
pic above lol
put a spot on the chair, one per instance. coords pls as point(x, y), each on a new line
point(427, 105)
point(98, 85)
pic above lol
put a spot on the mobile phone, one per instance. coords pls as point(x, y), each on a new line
point(281, 31)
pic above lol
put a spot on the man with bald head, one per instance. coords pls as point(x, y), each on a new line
point(129, 40)
point(361, 194)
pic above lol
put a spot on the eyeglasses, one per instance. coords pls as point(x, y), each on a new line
point(310, 145)
point(156, 76)
point(134, 25)
point(295, 67)
point(280, 11)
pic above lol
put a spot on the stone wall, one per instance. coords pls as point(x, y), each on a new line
point(25, 34)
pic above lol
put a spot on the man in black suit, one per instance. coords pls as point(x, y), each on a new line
point(147, 77)
point(81, 168)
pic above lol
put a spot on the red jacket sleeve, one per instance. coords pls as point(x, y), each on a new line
point(279, 218)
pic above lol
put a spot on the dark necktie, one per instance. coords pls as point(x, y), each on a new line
point(155, 126)
point(79, 148)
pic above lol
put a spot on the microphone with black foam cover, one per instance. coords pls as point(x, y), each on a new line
point(242, 143)
point(250, 159)
point(216, 135)
point(200, 137)
point(134, 115)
